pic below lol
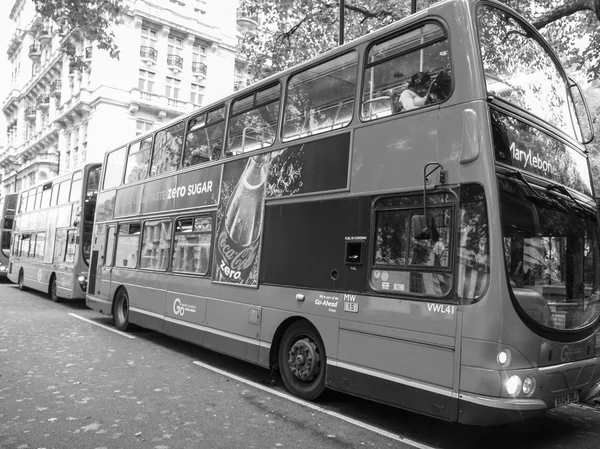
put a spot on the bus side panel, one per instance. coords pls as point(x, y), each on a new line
point(236, 319)
point(403, 148)
point(306, 244)
point(146, 296)
point(185, 316)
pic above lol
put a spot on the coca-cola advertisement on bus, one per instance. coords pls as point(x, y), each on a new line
point(239, 220)
point(316, 166)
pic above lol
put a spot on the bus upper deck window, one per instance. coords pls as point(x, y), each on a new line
point(253, 122)
point(320, 98)
point(406, 72)
point(113, 173)
point(204, 140)
point(138, 160)
point(168, 145)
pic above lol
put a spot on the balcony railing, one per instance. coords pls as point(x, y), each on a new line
point(35, 51)
point(175, 61)
point(43, 101)
point(199, 68)
point(45, 35)
point(148, 53)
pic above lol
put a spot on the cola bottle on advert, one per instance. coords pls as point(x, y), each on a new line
point(241, 224)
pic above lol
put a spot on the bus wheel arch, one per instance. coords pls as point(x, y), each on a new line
point(120, 309)
point(52, 289)
point(301, 358)
point(21, 280)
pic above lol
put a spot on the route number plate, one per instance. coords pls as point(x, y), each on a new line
point(566, 398)
point(351, 307)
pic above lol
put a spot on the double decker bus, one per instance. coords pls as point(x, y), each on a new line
point(440, 258)
point(52, 236)
point(8, 207)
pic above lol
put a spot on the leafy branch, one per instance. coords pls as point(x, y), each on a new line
point(92, 19)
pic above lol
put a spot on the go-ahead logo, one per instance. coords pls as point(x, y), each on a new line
point(180, 308)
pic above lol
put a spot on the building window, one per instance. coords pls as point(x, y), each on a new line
point(199, 53)
point(149, 37)
point(146, 81)
point(175, 46)
point(196, 94)
point(142, 126)
point(172, 87)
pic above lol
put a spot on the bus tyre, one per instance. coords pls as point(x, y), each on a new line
point(121, 312)
point(52, 290)
point(21, 281)
point(302, 361)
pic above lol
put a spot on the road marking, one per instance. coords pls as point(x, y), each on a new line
point(102, 326)
point(312, 406)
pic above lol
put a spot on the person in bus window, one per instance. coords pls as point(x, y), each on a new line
point(415, 95)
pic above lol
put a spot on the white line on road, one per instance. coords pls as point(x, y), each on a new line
point(310, 405)
point(102, 326)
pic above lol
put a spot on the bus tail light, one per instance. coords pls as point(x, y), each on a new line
point(82, 282)
point(513, 385)
point(471, 137)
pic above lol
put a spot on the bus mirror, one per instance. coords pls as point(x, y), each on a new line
point(420, 229)
point(582, 113)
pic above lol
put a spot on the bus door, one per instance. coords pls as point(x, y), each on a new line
point(399, 345)
point(104, 265)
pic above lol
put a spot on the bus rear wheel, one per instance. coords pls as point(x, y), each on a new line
point(21, 281)
point(302, 361)
point(52, 291)
point(121, 310)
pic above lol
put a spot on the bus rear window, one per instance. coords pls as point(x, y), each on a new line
point(320, 98)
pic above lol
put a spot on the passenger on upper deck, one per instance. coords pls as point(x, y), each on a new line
point(415, 96)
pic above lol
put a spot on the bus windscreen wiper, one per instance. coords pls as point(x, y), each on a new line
point(562, 189)
point(517, 174)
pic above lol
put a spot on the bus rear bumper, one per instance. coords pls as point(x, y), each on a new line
point(486, 411)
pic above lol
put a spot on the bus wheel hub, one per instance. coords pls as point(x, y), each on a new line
point(304, 359)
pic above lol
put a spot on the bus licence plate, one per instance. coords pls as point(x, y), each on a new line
point(566, 398)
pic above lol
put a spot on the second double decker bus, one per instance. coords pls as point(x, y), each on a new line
point(8, 207)
point(409, 218)
point(52, 235)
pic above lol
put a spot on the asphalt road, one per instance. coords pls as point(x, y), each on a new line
point(68, 379)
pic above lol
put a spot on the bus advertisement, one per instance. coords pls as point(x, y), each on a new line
point(52, 236)
point(408, 218)
point(8, 207)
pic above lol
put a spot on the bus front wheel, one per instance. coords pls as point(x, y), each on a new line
point(53, 289)
point(302, 361)
point(21, 281)
point(121, 311)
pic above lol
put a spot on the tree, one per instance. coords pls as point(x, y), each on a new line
point(91, 18)
point(293, 31)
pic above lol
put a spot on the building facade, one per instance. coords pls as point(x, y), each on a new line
point(174, 56)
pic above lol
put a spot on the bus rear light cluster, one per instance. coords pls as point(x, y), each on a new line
point(515, 386)
point(82, 282)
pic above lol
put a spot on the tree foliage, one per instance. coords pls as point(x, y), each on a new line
point(292, 31)
point(91, 18)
